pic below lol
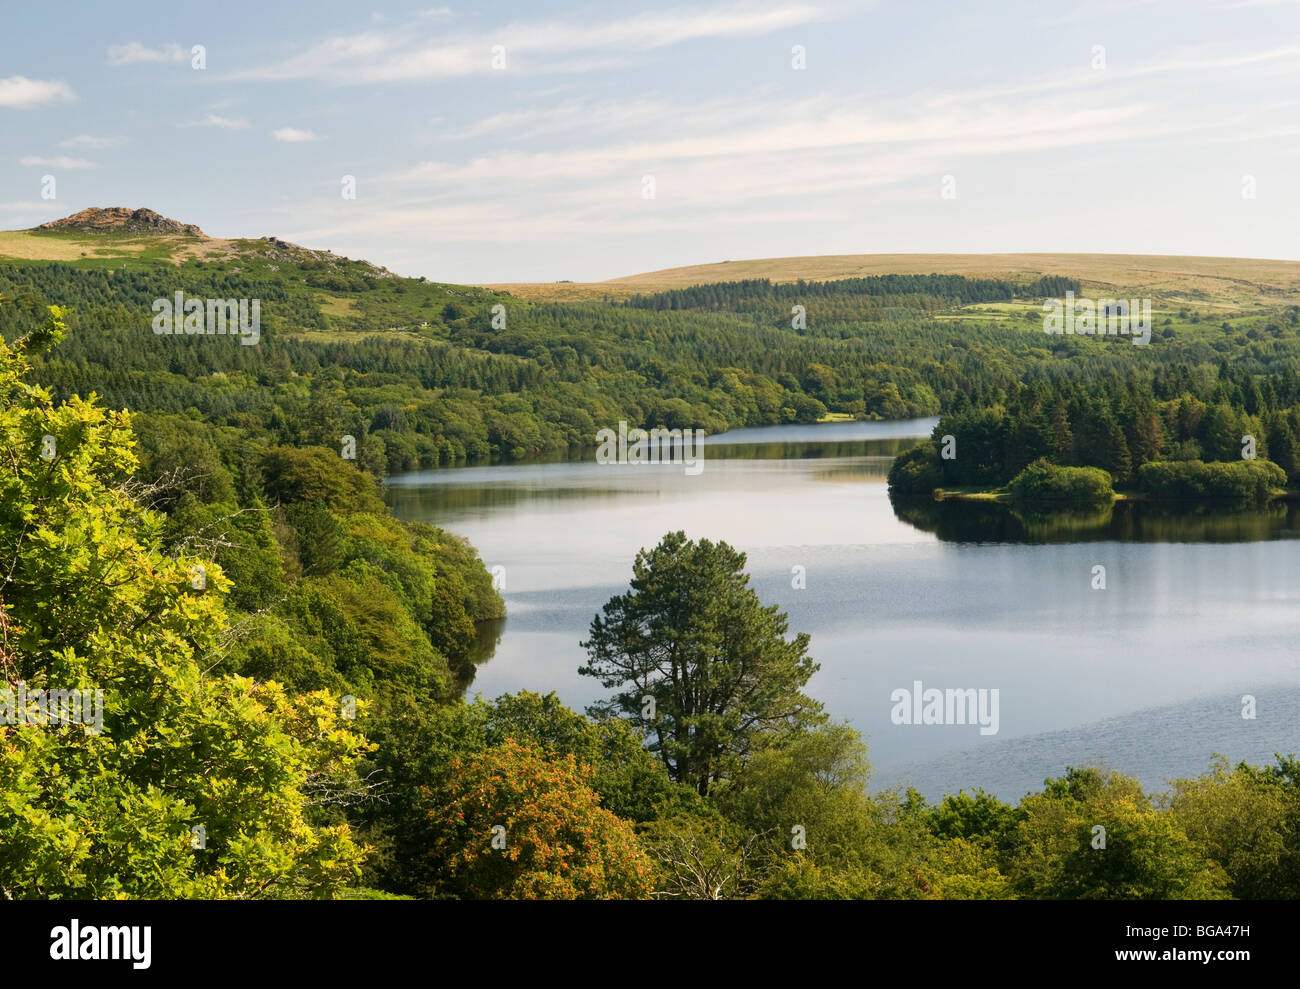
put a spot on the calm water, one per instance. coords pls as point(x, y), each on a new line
point(1146, 675)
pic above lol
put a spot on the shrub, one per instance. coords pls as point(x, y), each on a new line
point(917, 471)
point(1043, 481)
point(1249, 479)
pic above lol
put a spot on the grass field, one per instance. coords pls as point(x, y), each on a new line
point(108, 250)
point(1222, 282)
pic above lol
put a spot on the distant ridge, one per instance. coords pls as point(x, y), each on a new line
point(113, 219)
point(1195, 280)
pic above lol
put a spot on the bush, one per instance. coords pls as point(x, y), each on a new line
point(1249, 479)
point(917, 471)
point(1043, 481)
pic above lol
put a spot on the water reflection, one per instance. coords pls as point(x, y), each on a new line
point(486, 639)
point(1134, 522)
point(805, 450)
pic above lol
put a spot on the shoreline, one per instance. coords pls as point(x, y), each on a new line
point(1005, 497)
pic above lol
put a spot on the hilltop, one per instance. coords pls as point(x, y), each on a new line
point(109, 236)
point(323, 295)
point(105, 237)
point(119, 219)
point(1199, 280)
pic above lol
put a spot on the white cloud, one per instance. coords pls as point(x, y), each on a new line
point(134, 52)
point(293, 136)
point(727, 164)
point(59, 161)
point(91, 142)
point(370, 56)
point(793, 127)
point(1189, 62)
point(21, 93)
point(566, 117)
point(212, 120)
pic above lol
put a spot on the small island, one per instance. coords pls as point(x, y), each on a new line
point(1067, 449)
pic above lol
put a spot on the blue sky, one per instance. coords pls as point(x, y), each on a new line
point(1120, 126)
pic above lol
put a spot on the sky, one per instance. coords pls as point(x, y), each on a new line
point(541, 141)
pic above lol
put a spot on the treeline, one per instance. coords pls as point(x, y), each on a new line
point(750, 293)
point(1179, 432)
point(459, 384)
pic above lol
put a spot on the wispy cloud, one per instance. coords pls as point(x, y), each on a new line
point(1190, 62)
point(726, 165)
point(213, 120)
point(134, 53)
point(371, 56)
point(292, 135)
point(575, 115)
point(797, 127)
point(90, 142)
point(59, 161)
point(21, 93)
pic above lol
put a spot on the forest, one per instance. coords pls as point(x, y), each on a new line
point(424, 375)
point(298, 705)
point(181, 522)
point(1218, 432)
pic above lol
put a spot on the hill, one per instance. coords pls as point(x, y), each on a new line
point(331, 293)
point(425, 374)
point(1213, 282)
point(119, 219)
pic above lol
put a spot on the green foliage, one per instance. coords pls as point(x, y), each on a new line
point(222, 701)
point(759, 293)
point(1255, 480)
point(317, 477)
point(1042, 481)
point(821, 836)
point(91, 601)
point(979, 816)
point(691, 635)
point(1146, 854)
point(916, 471)
point(1144, 431)
point(1249, 822)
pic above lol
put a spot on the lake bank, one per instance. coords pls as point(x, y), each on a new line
point(1006, 498)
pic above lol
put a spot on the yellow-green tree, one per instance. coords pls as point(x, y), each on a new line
point(1093, 835)
point(187, 782)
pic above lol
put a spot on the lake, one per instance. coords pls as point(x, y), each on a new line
point(1146, 675)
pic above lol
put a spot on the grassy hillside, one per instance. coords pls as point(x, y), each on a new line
point(333, 295)
point(1211, 282)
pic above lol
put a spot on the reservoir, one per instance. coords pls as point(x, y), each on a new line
point(1148, 675)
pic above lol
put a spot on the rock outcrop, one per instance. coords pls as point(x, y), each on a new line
point(114, 219)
